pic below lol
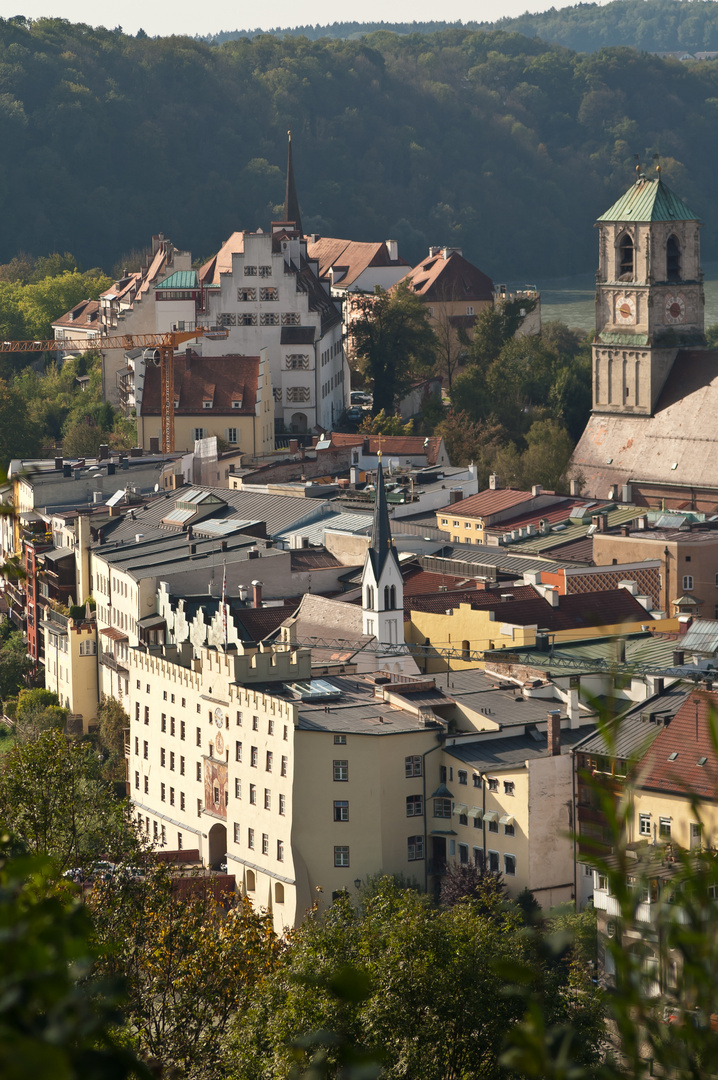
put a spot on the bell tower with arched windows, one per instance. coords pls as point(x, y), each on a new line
point(382, 581)
point(649, 296)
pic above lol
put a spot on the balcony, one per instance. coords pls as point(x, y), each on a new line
point(603, 901)
point(109, 661)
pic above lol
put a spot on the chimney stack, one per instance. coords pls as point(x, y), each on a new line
point(494, 482)
point(574, 487)
point(553, 732)
point(679, 658)
point(257, 594)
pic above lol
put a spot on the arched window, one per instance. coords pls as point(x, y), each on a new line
point(625, 258)
point(369, 596)
point(278, 893)
point(389, 597)
point(465, 650)
point(392, 596)
point(250, 881)
point(673, 259)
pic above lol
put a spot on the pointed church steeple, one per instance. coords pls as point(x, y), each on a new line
point(381, 529)
point(291, 202)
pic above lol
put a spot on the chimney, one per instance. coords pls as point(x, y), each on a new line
point(574, 487)
point(625, 530)
point(553, 732)
point(188, 358)
point(154, 444)
point(679, 658)
point(59, 462)
point(536, 490)
point(315, 440)
point(494, 482)
point(621, 650)
point(626, 493)
point(392, 247)
point(67, 470)
point(572, 707)
point(104, 452)
point(256, 594)
point(551, 594)
point(658, 685)
point(293, 446)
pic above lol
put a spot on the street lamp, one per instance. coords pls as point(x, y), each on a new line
point(357, 883)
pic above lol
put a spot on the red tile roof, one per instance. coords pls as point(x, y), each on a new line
point(221, 263)
point(575, 611)
point(478, 598)
point(81, 316)
point(487, 502)
point(561, 510)
point(450, 280)
point(689, 737)
point(350, 258)
point(392, 445)
point(420, 582)
point(221, 379)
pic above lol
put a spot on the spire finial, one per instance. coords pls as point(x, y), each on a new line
point(291, 202)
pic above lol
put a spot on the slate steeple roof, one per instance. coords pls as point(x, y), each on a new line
point(381, 547)
point(291, 202)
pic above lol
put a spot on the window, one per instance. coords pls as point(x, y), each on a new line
point(412, 766)
point(280, 858)
point(236, 832)
point(341, 770)
point(673, 259)
point(270, 759)
point(340, 740)
point(477, 779)
point(163, 791)
point(687, 582)
point(265, 271)
point(265, 843)
point(172, 761)
point(269, 293)
point(215, 793)
point(625, 258)
point(147, 785)
point(463, 777)
point(253, 794)
point(509, 787)
point(282, 804)
point(493, 784)
point(644, 824)
point(137, 780)
point(286, 733)
point(510, 865)
point(145, 750)
point(137, 746)
point(255, 723)
point(199, 736)
point(341, 855)
point(415, 848)
point(414, 805)
point(183, 730)
point(341, 810)
point(664, 828)
point(267, 799)
point(237, 788)
point(493, 857)
point(198, 434)
point(285, 765)
point(464, 854)
point(182, 800)
point(493, 825)
point(199, 770)
point(238, 751)
point(270, 727)
point(154, 830)
point(250, 271)
point(442, 808)
point(147, 714)
point(250, 839)
point(254, 757)
point(172, 796)
point(246, 295)
point(696, 834)
point(269, 318)
point(231, 434)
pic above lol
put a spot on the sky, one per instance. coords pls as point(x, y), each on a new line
point(165, 17)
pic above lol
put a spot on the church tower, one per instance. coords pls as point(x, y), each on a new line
point(382, 582)
point(649, 296)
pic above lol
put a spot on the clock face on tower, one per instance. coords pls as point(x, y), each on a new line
point(625, 310)
point(675, 309)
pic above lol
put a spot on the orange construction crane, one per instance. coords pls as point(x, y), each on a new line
point(166, 343)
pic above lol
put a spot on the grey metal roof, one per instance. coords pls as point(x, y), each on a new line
point(358, 712)
point(631, 734)
point(641, 650)
point(510, 750)
point(474, 689)
point(486, 557)
point(701, 637)
point(344, 521)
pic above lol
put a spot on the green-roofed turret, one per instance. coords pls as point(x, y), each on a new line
point(649, 200)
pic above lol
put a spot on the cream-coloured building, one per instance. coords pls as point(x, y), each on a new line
point(227, 397)
point(71, 666)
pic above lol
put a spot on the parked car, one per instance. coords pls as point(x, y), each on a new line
point(358, 397)
point(355, 415)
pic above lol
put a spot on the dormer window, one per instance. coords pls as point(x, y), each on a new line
point(206, 404)
point(236, 404)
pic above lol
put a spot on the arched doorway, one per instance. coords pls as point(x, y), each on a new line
point(299, 423)
point(217, 845)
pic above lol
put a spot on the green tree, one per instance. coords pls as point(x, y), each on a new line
point(18, 434)
point(190, 965)
point(14, 663)
point(55, 800)
point(54, 1023)
point(393, 343)
point(113, 724)
point(38, 710)
point(381, 424)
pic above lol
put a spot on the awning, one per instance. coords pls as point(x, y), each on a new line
point(59, 553)
point(150, 622)
point(491, 815)
point(114, 635)
point(461, 808)
point(507, 819)
point(475, 812)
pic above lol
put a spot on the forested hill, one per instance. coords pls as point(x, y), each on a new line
point(653, 25)
point(492, 141)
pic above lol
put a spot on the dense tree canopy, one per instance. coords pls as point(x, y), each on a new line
point(485, 139)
